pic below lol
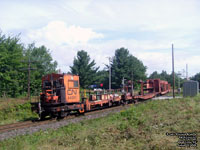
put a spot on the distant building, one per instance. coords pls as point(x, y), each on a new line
point(190, 88)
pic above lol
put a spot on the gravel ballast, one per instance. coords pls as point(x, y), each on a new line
point(58, 124)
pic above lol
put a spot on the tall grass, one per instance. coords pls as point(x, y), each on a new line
point(140, 127)
point(12, 113)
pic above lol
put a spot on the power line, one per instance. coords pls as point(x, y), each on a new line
point(110, 87)
point(29, 74)
point(173, 70)
point(187, 72)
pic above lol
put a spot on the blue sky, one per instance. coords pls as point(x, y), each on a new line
point(146, 28)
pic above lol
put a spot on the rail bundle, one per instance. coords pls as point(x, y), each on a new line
point(61, 95)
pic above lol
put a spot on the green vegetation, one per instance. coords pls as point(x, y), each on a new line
point(15, 110)
point(141, 127)
point(14, 58)
point(84, 68)
point(125, 65)
point(196, 78)
point(42, 63)
point(167, 77)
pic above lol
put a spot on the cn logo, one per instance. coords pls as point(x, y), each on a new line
point(71, 92)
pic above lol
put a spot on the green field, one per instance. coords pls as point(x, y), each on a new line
point(141, 127)
point(15, 110)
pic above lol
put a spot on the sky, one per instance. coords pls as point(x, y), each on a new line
point(146, 28)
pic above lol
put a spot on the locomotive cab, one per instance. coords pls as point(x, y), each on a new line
point(60, 95)
point(60, 88)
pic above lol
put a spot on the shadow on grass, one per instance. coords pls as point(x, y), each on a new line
point(30, 119)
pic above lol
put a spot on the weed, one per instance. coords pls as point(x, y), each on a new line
point(141, 127)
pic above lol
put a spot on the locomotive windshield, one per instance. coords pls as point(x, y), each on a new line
point(76, 84)
point(73, 84)
point(46, 84)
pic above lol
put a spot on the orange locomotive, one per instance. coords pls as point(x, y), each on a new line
point(61, 95)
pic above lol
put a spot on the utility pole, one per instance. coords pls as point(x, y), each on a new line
point(173, 70)
point(186, 71)
point(123, 83)
point(179, 76)
point(132, 91)
point(29, 76)
point(183, 73)
point(109, 73)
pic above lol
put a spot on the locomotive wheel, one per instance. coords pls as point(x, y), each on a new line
point(81, 111)
point(43, 116)
point(61, 115)
point(124, 102)
point(110, 104)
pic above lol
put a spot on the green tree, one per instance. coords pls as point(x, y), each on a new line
point(42, 63)
point(163, 75)
point(103, 77)
point(154, 75)
point(196, 77)
point(167, 77)
point(125, 65)
point(85, 68)
point(13, 58)
point(11, 54)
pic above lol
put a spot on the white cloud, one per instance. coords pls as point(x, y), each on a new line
point(147, 29)
point(59, 33)
point(155, 54)
point(63, 40)
point(144, 15)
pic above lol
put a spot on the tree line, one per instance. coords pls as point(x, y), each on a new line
point(123, 65)
point(196, 77)
point(168, 77)
point(14, 57)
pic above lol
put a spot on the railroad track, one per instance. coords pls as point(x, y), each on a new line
point(21, 125)
point(30, 127)
point(6, 127)
point(27, 124)
point(34, 123)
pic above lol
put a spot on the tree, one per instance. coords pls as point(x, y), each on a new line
point(42, 62)
point(167, 77)
point(84, 68)
point(163, 75)
point(196, 77)
point(10, 64)
point(154, 75)
point(125, 65)
point(103, 77)
point(13, 58)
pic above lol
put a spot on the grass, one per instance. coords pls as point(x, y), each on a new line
point(15, 110)
point(140, 127)
point(175, 93)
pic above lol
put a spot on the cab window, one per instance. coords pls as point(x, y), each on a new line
point(73, 84)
